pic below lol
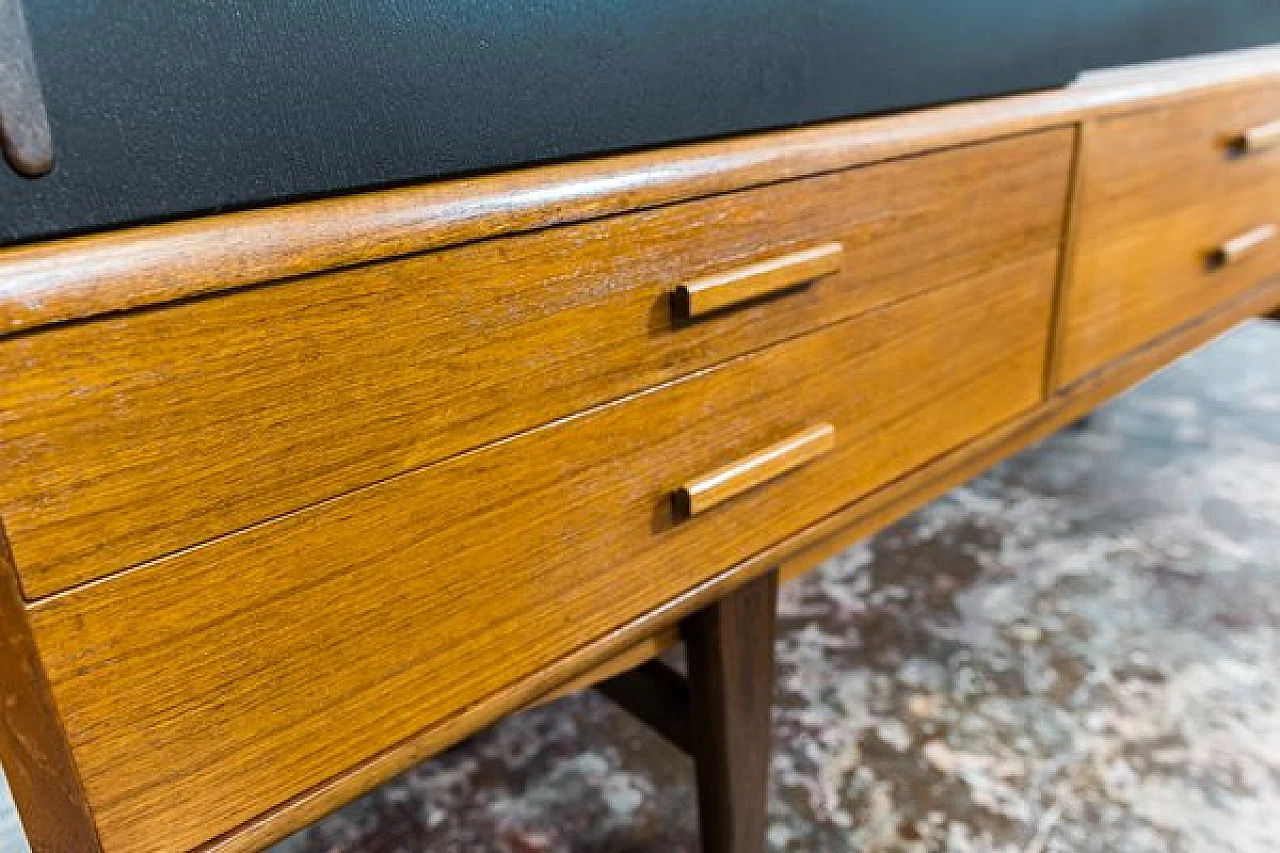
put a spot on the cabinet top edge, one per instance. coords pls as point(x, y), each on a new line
point(80, 277)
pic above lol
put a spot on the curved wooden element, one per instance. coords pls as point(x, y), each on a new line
point(98, 274)
point(736, 287)
point(725, 483)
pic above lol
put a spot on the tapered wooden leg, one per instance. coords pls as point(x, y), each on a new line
point(730, 651)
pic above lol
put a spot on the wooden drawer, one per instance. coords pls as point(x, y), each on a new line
point(1162, 193)
point(133, 436)
point(336, 632)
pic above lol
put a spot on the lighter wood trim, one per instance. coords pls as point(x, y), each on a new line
point(713, 293)
point(1255, 140)
point(1240, 247)
point(96, 274)
point(723, 484)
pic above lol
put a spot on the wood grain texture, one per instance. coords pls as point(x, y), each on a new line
point(87, 276)
point(1162, 192)
point(130, 437)
point(817, 541)
point(731, 680)
point(42, 775)
point(626, 660)
point(854, 523)
point(179, 681)
point(205, 717)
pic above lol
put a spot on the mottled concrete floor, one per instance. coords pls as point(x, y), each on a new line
point(1077, 652)
point(11, 838)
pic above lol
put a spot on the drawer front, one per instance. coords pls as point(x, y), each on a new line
point(1176, 215)
point(131, 437)
point(201, 689)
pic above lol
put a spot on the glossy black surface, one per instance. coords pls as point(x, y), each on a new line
point(162, 109)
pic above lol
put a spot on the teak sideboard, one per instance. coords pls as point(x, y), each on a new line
point(294, 497)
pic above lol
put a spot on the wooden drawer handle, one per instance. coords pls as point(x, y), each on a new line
point(1238, 248)
point(732, 480)
point(717, 292)
point(1258, 139)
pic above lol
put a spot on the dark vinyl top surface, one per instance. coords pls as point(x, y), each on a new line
point(163, 109)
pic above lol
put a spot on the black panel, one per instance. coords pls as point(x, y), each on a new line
point(163, 108)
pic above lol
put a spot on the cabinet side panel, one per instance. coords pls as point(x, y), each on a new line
point(33, 749)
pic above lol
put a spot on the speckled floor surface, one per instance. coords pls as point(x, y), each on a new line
point(11, 840)
point(1079, 651)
